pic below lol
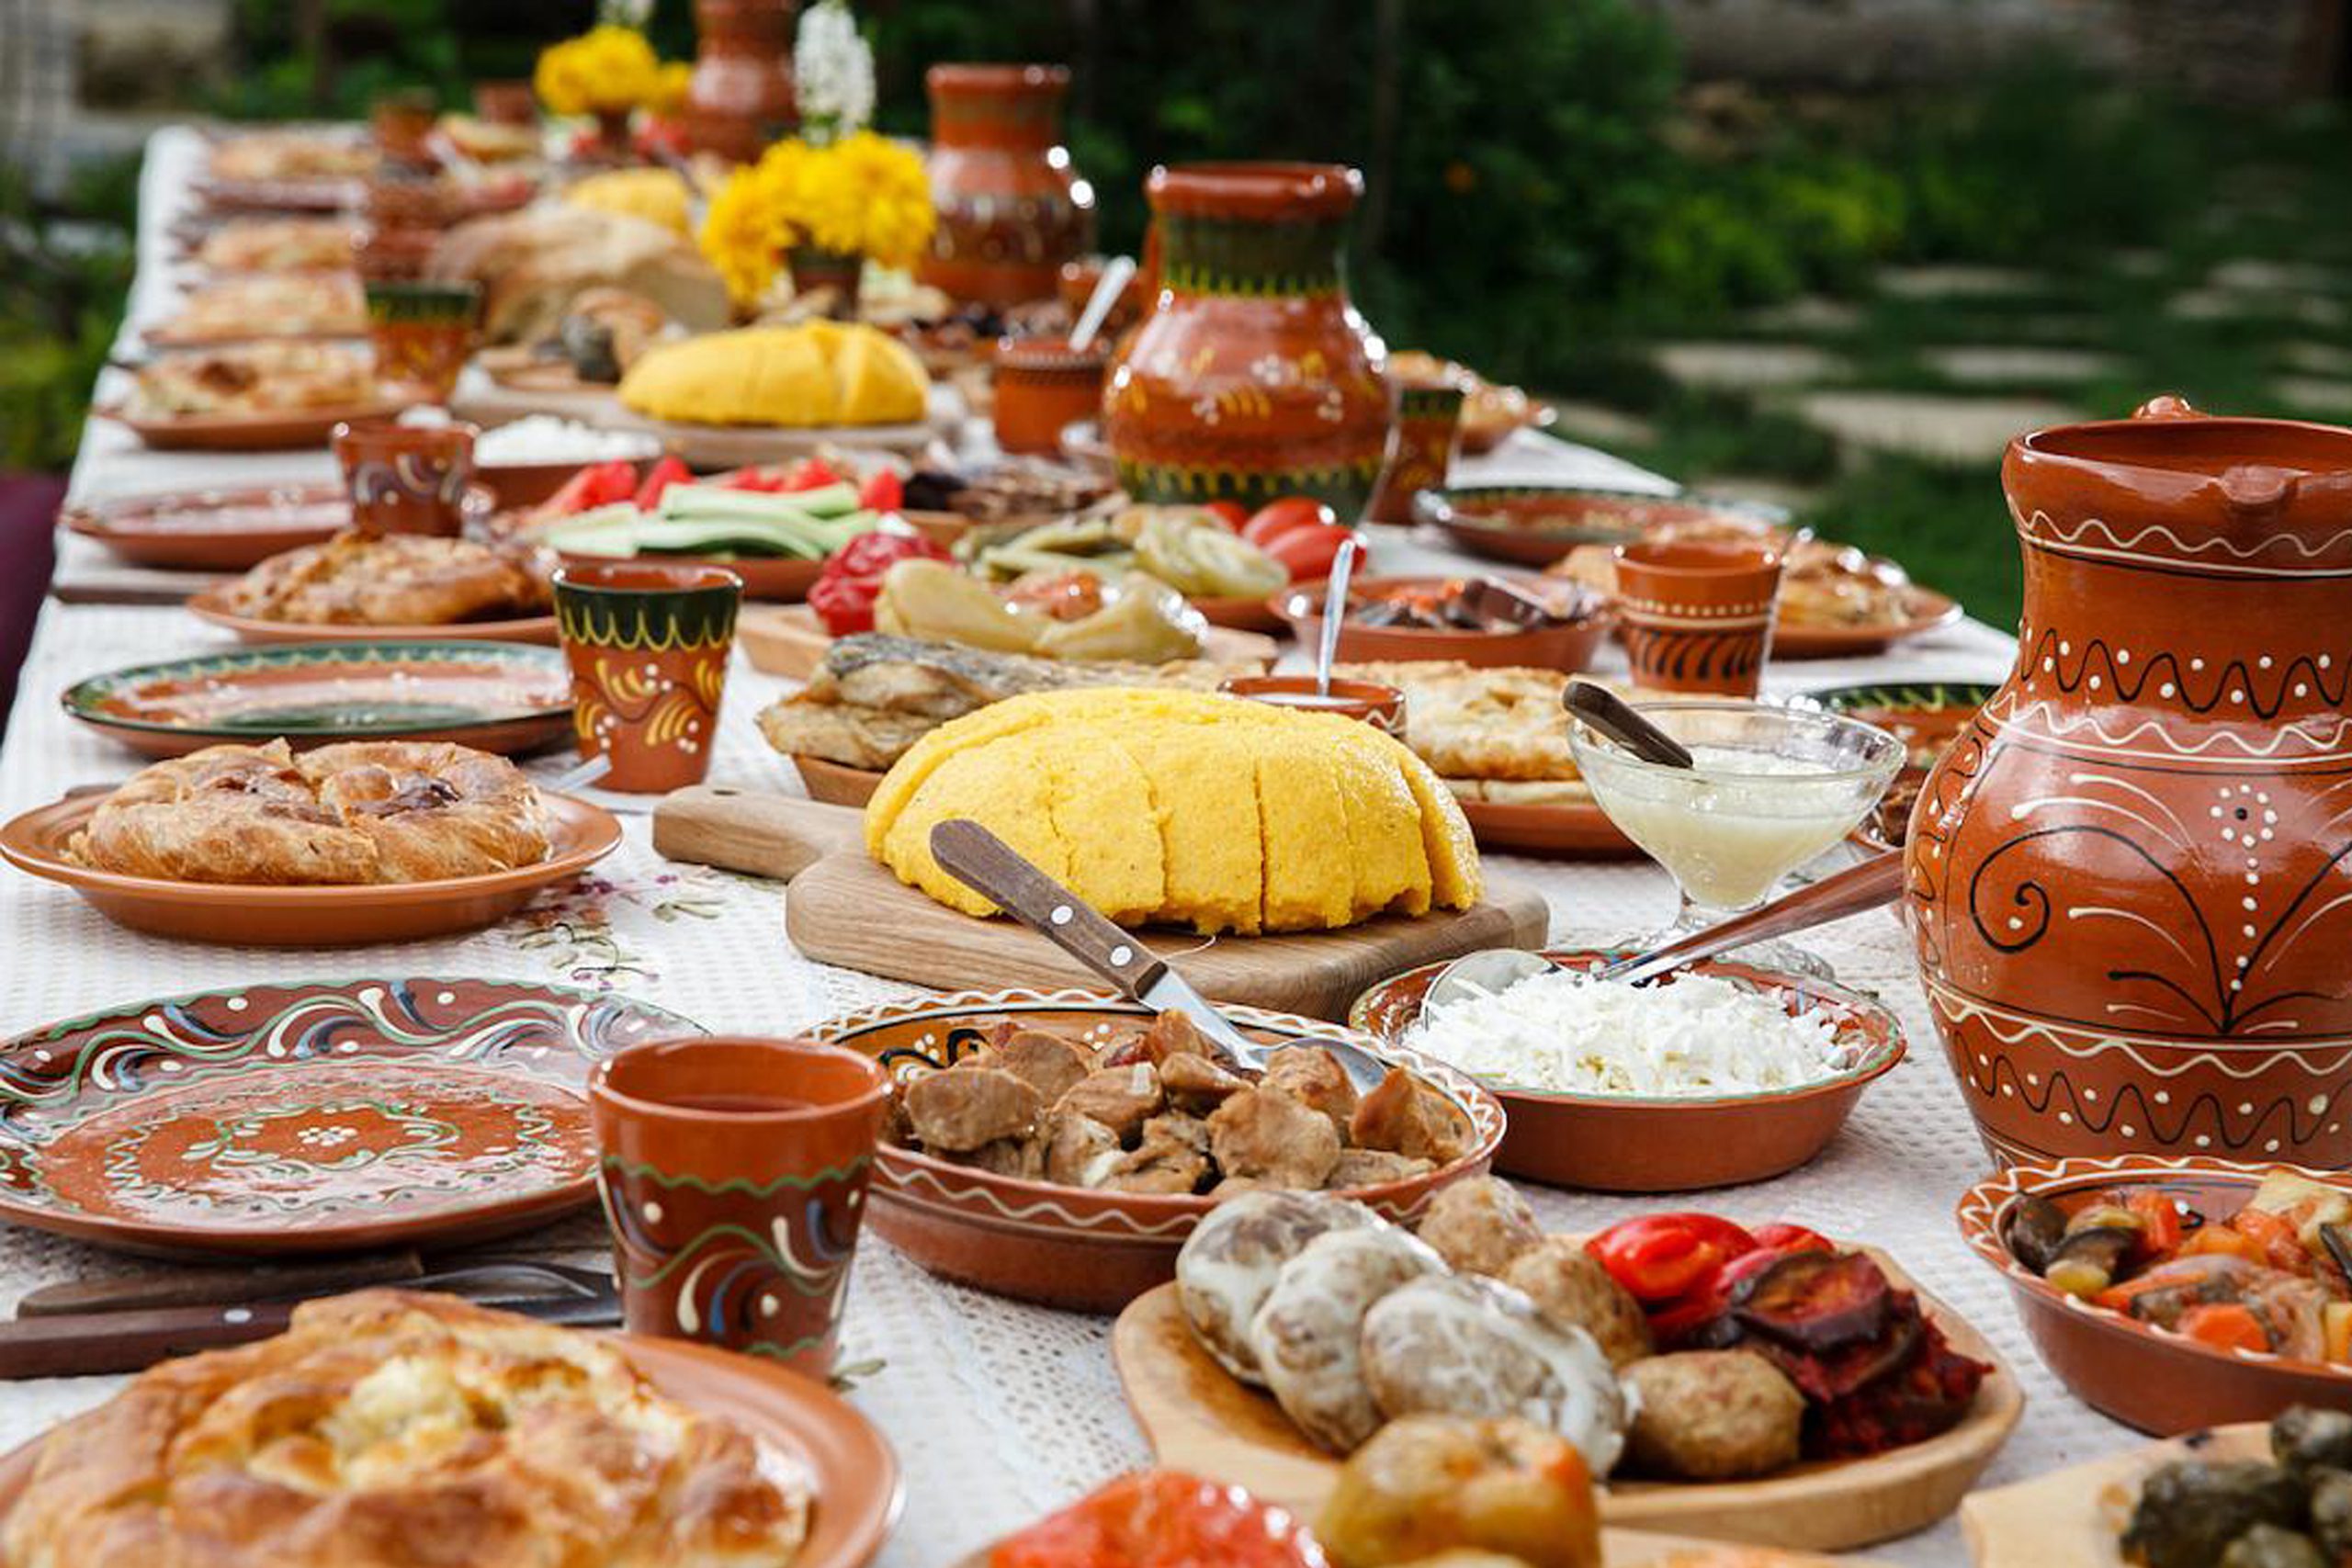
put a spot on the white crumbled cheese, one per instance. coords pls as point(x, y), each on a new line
point(1692, 1034)
point(544, 439)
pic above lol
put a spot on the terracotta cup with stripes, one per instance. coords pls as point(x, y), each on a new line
point(1697, 616)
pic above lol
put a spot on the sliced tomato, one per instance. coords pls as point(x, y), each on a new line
point(661, 476)
point(882, 492)
point(1661, 1257)
point(598, 484)
point(811, 473)
point(1307, 553)
point(1232, 513)
point(1274, 519)
point(1161, 1519)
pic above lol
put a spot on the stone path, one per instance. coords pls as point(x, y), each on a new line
point(1927, 424)
point(1958, 282)
point(1995, 363)
point(1747, 365)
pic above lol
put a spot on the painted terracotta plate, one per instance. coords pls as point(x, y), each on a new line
point(214, 530)
point(1923, 610)
point(1581, 830)
point(510, 697)
point(208, 606)
point(1537, 525)
point(856, 1476)
point(313, 1116)
point(338, 916)
point(1197, 1417)
point(290, 430)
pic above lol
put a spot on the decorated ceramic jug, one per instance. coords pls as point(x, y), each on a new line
point(1253, 376)
point(740, 97)
point(2129, 878)
point(1011, 208)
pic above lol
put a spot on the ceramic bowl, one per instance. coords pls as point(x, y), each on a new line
point(1537, 525)
point(1569, 646)
point(2146, 1377)
point(1067, 1246)
point(1630, 1143)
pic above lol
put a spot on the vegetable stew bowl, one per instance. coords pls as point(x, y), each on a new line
point(2161, 1381)
point(1071, 1247)
point(1667, 1144)
point(1569, 644)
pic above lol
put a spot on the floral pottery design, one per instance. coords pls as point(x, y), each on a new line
point(733, 1174)
point(1253, 378)
point(1043, 386)
point(576, 928)
point(1070, 1247)
point(740, 97)
point(406, 478)
point(2150, 1378)
point(1698, 616)
point(311, 1116)
point(2129, 879)
point(1422, 444)
point(1011, 208)
point(422, 333)
point(647, 647)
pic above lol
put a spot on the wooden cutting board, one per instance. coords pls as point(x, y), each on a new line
point(2072, 1518)
point(788, 640)
point(1640, 1548)
point(844, 909)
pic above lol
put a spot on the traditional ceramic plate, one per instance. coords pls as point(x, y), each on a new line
point(1569, 644)
point(1241, 613)
point(1631, 1144)
point(2146, 1377)
point(250, 915)
point(788, 640)
point(312, 1116)
point(1924, 611)
point(1582, 831)
point(208, 606)
point(855, 1475)
point(837, 784)
point(1926, 715)
point(509, 697)
point(213, 530)
point(1068, 1246)
point(1199, 1418)
point(1537, 525)
point(325, 192)
point(276, 431)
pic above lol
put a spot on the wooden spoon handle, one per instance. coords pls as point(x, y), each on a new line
point(1875, 882)
point(81, 1344)
point(995, 870)
point(1613, 717)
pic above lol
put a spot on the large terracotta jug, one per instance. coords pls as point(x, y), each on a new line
point(740, 97)
point(1011, 208)
point(2128, 878)
point(1253, 376)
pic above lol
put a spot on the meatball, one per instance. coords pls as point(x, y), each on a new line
point(1568, 1286)
point(1310, 1334)
point(1229, 1261)
point(1713, 1416)
point(1475, 1491)
point(1479, 1225)
point(1458, 1345)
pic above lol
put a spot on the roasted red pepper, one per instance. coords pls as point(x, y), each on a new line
point(1780, 1236)
point(1160, 1518)
point(844, 591)
point(661, 476)
point(1661, 1257)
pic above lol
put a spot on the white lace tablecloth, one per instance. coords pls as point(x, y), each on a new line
point(999, 1412)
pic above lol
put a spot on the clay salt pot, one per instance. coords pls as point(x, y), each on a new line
point(2132, 873)
point(1011, 207)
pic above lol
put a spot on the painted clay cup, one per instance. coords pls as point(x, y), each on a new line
point(1043, 386)
point(1382, 707)
point(733, 1175)
point(504, 101)
point(406, 478)
point(648, 647)
point(1423, 441)
point(1697, 616)
point(401, 124)
point(422, 333)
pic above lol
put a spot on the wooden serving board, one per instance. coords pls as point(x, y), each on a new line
point(1641, 1548)
point(2072, 1518)
point(844, 909)
point(1198, 1417)
point(788, 640)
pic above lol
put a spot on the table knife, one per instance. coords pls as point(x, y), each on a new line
point(214, 1284)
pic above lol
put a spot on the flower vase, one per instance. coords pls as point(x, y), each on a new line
point(613, 144)
point(836, 273)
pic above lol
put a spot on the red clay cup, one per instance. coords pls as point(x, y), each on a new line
point(406, 478)
point(1697, 616)
point(647, 646)
point(733, 1175)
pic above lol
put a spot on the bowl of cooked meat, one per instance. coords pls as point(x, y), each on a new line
point(2176, 1292)
point(1493, 619)
point(1058, 1146)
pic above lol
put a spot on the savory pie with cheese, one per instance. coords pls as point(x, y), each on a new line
point(326, 304)
point(393, 1429)
point(390, 579)
point(254, 378)
point(365, 811)
point(279, 244)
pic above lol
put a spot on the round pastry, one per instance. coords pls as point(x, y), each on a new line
point(1479, 1225)
point(362, 812)
point(1230, 1262)
point(1432, 1489)
point(1456, 1345)
point(1307, 1335)
point(390, 579)
point(1568, 1286)
point(1713, 1416)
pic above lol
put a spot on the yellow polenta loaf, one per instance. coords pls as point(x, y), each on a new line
point(811, 373)
point(1184, 807)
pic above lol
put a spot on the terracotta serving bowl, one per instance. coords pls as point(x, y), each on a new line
point(1630, 1143)
point(1537, 525)
point(2144, 1376)
point(1068, 1246)
point(1569, 646)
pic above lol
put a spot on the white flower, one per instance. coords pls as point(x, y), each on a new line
point(833, 73)
point(631, 13)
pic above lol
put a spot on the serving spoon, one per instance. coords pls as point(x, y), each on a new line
point(1335, 610)
point(1107, 290)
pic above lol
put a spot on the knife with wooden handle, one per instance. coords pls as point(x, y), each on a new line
point(213, 1285)
point(752, 831)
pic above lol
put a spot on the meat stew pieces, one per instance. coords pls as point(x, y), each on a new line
point(1157, 1114)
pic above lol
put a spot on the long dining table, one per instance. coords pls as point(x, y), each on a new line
point(999, 1411)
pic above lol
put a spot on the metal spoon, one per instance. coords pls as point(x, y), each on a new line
point(1107, 290)
point(1335, 610)
point(1619, 721)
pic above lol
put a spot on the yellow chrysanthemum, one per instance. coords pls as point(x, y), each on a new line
point(862, 195)
point(743, 234)
point(669, 87)
point(605, 70)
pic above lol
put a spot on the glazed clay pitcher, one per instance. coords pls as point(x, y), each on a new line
point(740, 97)
point(1253, 376)
point(1011, 208)
point(2129, 877)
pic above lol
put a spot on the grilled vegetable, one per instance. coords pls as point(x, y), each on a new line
point(2088, 1260)
point(2308, 1440)
point(2267, 1546)
point(2036, 1226)
point(2190, 1512)
point(1815, 1300)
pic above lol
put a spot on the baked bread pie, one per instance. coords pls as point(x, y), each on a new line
point(255, 378)
point(394, 1430)
point(324, 304)
point(390, 580)
point(279, 244)
point(1824, 586)
point(366, 811)
point(292, 156)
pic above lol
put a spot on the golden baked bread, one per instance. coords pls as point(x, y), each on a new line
point(365, 811)
point(531, 265)
point(255, 377)
point(394, 1430)
point(659, 196)
point(1472, 722)
point(292, 156)
point(811, 373)
point(279, 244)
point(326, 304)
point(392, 579)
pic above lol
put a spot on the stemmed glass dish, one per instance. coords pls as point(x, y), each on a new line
point(1771, 788)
